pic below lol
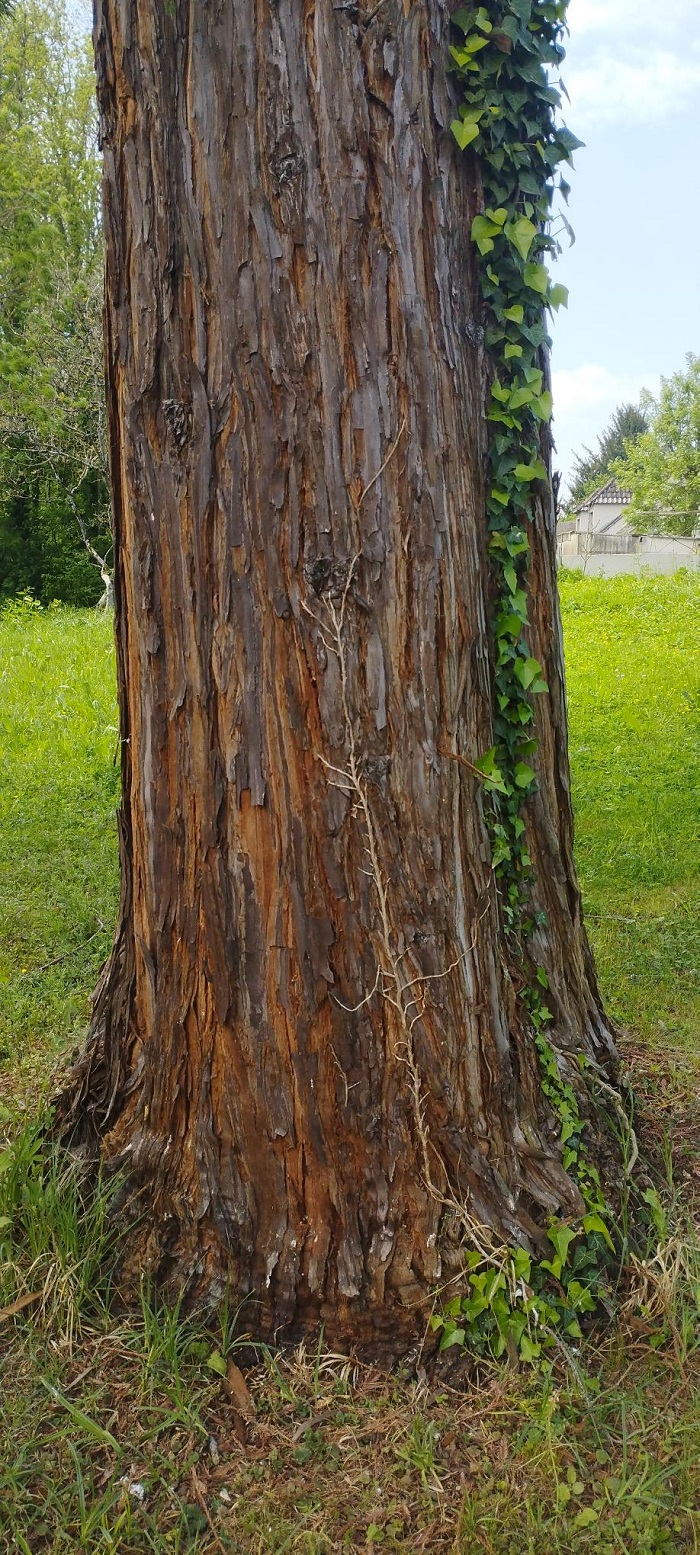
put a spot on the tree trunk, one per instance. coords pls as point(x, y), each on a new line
point(308, 1039)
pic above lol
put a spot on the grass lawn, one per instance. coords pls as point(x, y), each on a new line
point(633, 669)
point(58, 873)
point(119, 1431)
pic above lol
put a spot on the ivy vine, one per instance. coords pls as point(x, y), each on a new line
point(503, 58)
point(520, 1306)
point(503, 63)
point(507, 117)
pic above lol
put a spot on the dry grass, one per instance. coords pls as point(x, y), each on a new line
point(128, 1454)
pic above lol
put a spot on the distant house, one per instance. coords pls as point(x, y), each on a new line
point(598, 538)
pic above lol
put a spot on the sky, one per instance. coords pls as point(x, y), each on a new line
point(633, 76)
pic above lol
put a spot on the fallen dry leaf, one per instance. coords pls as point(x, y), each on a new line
point(238, 1391)
point(20, 1304)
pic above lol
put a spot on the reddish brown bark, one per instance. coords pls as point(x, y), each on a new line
point(308, 1032)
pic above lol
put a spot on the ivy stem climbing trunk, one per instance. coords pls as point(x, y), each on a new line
point(311, 1037)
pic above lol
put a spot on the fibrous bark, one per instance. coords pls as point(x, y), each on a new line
point(309, 1035)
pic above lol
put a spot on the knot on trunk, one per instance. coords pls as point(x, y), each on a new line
point(287, 161)
point(178, 419)
point(376, 769)
point(326, 576)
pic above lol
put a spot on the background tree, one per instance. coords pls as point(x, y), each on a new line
point(662, 468)
point(53, 503)
point(593, 467)
point(319, 1050)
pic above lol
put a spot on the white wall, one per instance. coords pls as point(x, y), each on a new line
point(603, 515)
point(662, 553)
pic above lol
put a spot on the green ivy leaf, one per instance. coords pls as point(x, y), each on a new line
point(487, 762)
point(521, 396)
point(509, 625)
point(522, 1265)
point(457, 1336)
point(496, 782)
point(529, 1350)
point(537, 278)
point(570, 1126)
point(519, 603)
point(490, 772)
point(530, 472)
point(463, 18)
point(580, 1296)
point(596, 1223)
point(465, 131)
point(561, 1237)
point(523, 774)
point(527, 670)
point(570, 142)
point(558, 296)
point(542, 406)
point(522, 235)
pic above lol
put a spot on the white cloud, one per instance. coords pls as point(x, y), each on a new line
point(608, 91)
point(584, 400)
point(643, 21)
point(631, 61)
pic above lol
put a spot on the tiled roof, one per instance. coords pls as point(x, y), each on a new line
point(611, 492)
